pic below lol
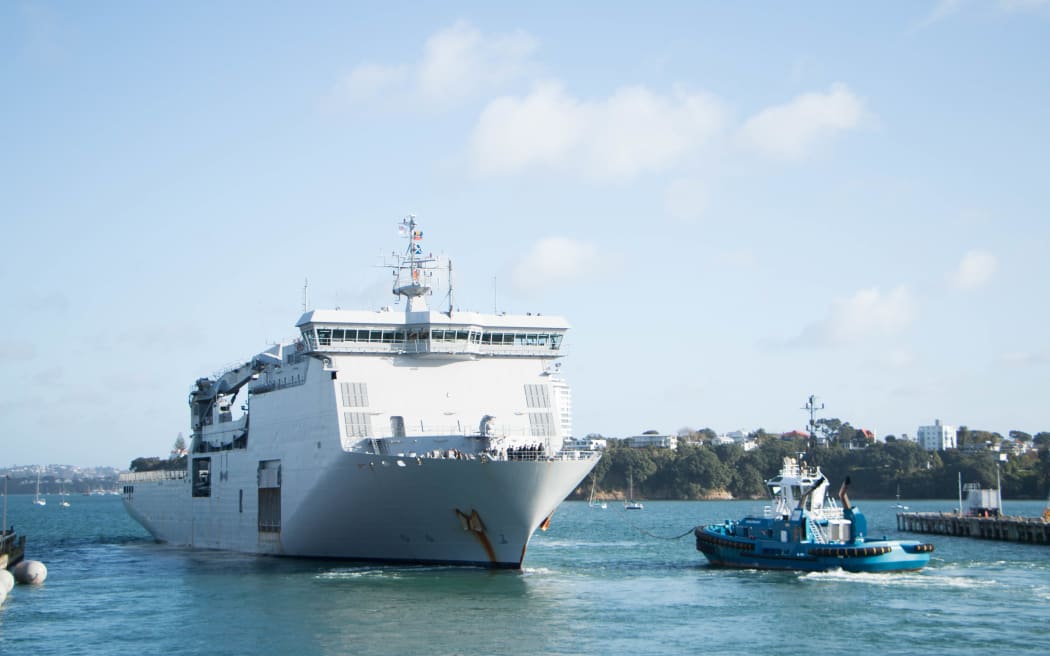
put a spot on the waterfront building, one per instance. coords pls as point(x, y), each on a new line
point(652, 439)
point(937, 437)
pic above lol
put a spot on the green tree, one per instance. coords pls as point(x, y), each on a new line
point(747, 482)
point(699, 469)
point(828, 428)
point(145, 464)
point(1020, 436)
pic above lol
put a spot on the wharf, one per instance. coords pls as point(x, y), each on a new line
point(1032, 530)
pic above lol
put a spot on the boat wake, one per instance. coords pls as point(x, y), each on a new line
point(926, 580)
point(393, 572)
point(343, 575)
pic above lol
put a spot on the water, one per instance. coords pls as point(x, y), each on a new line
point(593, 584)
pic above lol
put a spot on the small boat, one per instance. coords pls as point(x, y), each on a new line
point(38, 500)
point(899, 505)
point(806, 530)
point(64, 502)
point(593, 502)
point(630, 503)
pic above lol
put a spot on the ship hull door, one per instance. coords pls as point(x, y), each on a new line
point(269, 477)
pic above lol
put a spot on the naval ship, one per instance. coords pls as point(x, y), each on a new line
point(407, 435)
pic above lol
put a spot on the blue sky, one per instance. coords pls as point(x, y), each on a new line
point(736, 205)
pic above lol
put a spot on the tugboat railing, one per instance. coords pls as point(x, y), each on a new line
point(815, 530)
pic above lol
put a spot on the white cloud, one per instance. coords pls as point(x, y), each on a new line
point(792, 130)
point(686, 199)
point(456, 64)
point(17, 351)
point(945, 9)
point(1023, 5)
point(742, 258)
point(460, 60)
point(554, 262)
point(368, 82)
point(975, 270)
point(940, 11)
point(634, 131)
point(900, 358)
point(1027, 359)
point(867, 315)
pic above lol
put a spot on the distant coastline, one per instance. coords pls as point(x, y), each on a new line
point(879, 471)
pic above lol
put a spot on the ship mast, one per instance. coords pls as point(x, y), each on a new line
point(414, 266)
point(812, 407)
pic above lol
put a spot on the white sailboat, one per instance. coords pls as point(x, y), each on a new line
point(899, 506)
point(39, 500)
point(630, 503)
point(594, 502)
point(64, 502)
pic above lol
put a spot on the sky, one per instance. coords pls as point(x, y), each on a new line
point(736, 205)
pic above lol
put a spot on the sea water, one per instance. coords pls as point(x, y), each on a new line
point(598, 582)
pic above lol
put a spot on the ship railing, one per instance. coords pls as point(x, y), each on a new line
point(458, 430)
point(831, 512)
point(154, 475)
point(527, 455)
point(448, 348)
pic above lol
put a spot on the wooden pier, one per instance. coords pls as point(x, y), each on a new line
point(1032, 530)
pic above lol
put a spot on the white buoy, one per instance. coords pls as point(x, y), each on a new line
point(32, 572)
point(7, 581)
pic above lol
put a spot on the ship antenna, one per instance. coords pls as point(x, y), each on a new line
point(450, 287)
point(306, 294)
point(812, 407)
point(414, 264)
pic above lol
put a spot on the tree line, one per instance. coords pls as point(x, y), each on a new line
point(878, 471)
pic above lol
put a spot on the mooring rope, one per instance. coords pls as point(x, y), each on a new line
point(623, 516)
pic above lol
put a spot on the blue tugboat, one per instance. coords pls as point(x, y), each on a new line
point(806, 530)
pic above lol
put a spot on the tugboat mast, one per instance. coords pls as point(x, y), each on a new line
point(812, 407)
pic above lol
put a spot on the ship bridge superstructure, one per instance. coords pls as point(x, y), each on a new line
point(431, 332)
point(419, 330)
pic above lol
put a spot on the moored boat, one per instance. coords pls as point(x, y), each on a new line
point(806, 530)
point(12, 545)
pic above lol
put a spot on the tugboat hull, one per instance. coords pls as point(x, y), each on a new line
point(873, 556)
point(805, 531)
